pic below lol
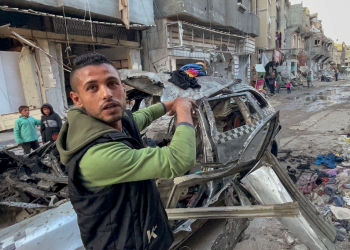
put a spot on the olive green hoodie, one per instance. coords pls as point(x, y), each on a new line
point(114, 162)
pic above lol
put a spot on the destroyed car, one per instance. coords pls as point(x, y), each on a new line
point(236, 138)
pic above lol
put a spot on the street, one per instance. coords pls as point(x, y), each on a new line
point(312, 121)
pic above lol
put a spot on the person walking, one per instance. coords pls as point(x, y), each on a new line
point(288, 87)
point(308, 79)
point(271, 82)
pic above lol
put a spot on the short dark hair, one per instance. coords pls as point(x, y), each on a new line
point(84, 60)
point(22, 107)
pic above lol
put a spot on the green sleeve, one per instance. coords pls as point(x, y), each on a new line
point(144, 117)
point(36, 121)
point(114, 162)
point(17, 132)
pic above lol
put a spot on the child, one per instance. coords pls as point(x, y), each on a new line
point(51, 123)
point(25, 131)
point(288, 86)
point(308, 78)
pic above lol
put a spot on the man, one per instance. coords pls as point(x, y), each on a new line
point(271, 82)
point(336, 75)
point(111, 176)
point(279, 82)
point(308, 79)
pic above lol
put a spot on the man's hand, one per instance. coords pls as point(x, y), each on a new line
point(183, 108)
point(181, 103)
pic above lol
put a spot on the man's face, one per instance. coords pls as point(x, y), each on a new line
point(100, 92)
point(25, 112)
point(46, 111)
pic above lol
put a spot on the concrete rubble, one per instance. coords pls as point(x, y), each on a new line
point(30, 184)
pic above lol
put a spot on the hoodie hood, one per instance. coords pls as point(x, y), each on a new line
point(47, 105)
point(79, 130)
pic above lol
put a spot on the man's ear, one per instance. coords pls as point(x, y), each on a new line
point(76, 99)
point(124, 88)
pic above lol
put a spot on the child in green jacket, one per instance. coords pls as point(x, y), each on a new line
point(25, 131)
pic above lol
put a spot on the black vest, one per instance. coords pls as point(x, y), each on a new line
point(123, 216)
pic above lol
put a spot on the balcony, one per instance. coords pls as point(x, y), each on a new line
point(225, 15)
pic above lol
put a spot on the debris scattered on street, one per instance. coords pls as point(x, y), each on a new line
point(30, 184)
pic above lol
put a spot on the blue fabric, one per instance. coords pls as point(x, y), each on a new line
point(186, 124)
point(329, 190)
point(198, 67)
point(338, 201)
point(330, 160)
point(164, 107)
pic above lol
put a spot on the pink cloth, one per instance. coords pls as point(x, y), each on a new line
point(288, 84)
point(192, 72)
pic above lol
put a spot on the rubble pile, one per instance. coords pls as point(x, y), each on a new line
point(30, 184)
point(325, 181)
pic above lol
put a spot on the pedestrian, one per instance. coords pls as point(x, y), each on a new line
point(25, 131)
point(110, 173)
point(271, 82)
point(336, 75)
point(279, 82)
point(308, 79)
point(288, 87)
point(51, 123)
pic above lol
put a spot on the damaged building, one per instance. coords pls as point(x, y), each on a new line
point(291, 40)
point(38, 42)
point(273, 23)
point(221, 34)
point(306, 36)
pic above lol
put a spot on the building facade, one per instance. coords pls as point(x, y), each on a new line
point(273, 16)
point(43, 37)
point(306, 38)
point(221, 34)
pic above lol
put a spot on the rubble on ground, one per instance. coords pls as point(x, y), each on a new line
point(30, 184)
point(325, 181)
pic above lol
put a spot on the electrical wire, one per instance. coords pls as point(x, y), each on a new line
point(67, 36)
point(145, 12)
point(4, 94)
point(92, 35)
point(160, 15)
point(65, 25)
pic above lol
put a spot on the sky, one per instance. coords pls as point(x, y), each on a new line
point(334, 15)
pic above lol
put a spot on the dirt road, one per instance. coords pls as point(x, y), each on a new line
point(312, 121)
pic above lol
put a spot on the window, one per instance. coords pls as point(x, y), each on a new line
point(299, 43)
point(302, 44)
point(317, 42)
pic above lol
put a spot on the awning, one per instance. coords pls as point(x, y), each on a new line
point(259, 68)
point(39, 13)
